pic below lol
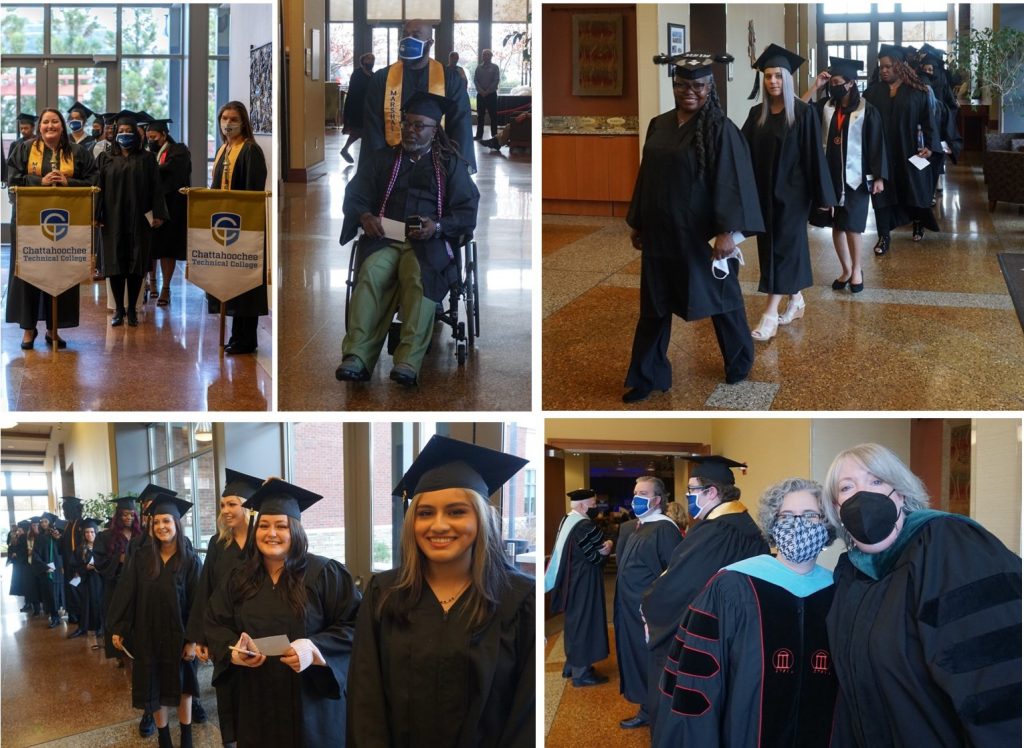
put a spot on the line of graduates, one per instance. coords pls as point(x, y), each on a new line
point(140, 213)
point(914, 639)
point(704, 181)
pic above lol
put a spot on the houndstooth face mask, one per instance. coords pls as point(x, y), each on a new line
point(799, 539)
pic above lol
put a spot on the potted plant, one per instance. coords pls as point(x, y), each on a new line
point(523, 41)
point(992, 62)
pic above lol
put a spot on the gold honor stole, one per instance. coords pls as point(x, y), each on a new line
point(393, 97)
point(36, 166)
point(229, 163)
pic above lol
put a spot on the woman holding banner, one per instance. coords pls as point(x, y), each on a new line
point(49, 159)
point(131, 206)
point(240, 165)
point(175, 164)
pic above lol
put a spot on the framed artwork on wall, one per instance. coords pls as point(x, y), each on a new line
point(676, 42)
point(597, 62)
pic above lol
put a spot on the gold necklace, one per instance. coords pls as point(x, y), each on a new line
point(445, 603)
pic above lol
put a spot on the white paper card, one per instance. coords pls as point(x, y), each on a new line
point(393, 229)
point(149, 216)
point(919, 162)
point(272, 646)
point(75, 582)
point(946, 148)
point(50, 566)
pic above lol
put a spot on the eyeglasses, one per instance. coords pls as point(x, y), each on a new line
point(696, 489)
point(788, 518)
point(697, 88)
point(415, 126)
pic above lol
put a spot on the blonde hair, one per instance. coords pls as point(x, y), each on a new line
point(224, 533)
point(788, 97)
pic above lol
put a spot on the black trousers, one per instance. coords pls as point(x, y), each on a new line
point(649, 367)
point(487, 105)
point(243, 330)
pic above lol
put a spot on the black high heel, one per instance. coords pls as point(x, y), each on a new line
point(61, 343)
point(27, 345)
point(839, 285)
point(882, 246)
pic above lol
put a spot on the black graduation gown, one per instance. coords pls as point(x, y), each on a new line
point(930, 653)
point(151, 614)
point(789, 165)
point(909, 188)
point(48, 583)
point(109, 566)
point(641, 560)
point(355, 100)
point(175, 173)
point(90, 589)
point(131, 188)
point(749, 666)
point(710, 545)
point(26, 305)
point(22, 584)
point(458, 124)
point(278, 706)
point(433, 682)
point(248, 173)
point(579, 592)
point(70, 539)
point(414, 193)
point(852, 215)
point(677, 214)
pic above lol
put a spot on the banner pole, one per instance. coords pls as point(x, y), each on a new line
point(223, 324)
point(53, 320)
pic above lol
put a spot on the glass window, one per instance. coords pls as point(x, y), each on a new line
point(341, 52)
point(386, 448)
point(510, 11)
point(87, 85)
point(923, 6)
point(82, 31)
point(29, 481)
point(429, 9)
point(886, 7)
point(841, 7)
point(859, 31)
point(835, 32)
point(385, 44)
point(207, 501)
point(317, 465)
point(340, 10)
point(146, 85)
point(913, 31)
point(935, 31)
point(508, 54)
point(886, 32)
point(518, 500)
point(22, 30)
point(467, 10)
point(151, 31)
point(467, 44)
point(219, 24)
point(384, 10)
point(158, 446)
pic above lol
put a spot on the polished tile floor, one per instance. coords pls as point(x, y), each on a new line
point(171, 361)
point(56, 692)
point(313, 271)
point(934, 328)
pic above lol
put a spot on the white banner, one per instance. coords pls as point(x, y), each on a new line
point(54, 237)
point(225, 241)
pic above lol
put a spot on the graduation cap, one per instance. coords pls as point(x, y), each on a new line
point(893, 52)
point(844, 67)
point(25, 524)
point(143, 117)
point(125, 502)
point(109, 118)
point(34, 520)
point(70, 500)
point(581, 494)
point(932, 56)
point(82, 109)
point(52, 518)
point(693, 65)
point(27, 119)
point(165, 503)
point(158, 125)
point(715, 467)
point(280, 497)
point(150, 492)
point(240, 484)
point(126, 117)
point(90, 522)
point(774, 56)
point(427, 105)
point(448, 463)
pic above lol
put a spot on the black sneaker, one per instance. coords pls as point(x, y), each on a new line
point(147, 727)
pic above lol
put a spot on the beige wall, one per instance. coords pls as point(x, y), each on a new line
point(769, 26)
point(773, 450)
point(996, 478)
point(646, 429)
point(306, 96)
point(89, 450)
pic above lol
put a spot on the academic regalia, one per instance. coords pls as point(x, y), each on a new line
point(174, 164)
point(926, 639)
point(22, 584)
point(644, 557)
point(90, 589)
point(433, 682)
point(750, 663)
point(45, 551)
point(110, 567)
point(355, 100)
point(458, 123)
point(26, 304)
point(792, 179)
point(677, 214)
point(131, 188)
point(851, 204)
point(908, 193)
point(151, 615)
point(278, 706)
point(579, 593)
point(729, 534)
point(70, 539)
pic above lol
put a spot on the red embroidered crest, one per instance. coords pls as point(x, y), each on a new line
point(782, 661)
point(821, 663)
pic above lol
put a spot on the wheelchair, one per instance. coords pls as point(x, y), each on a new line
point(459, 310)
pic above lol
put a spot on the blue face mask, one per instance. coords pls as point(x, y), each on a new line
point(126, 140)
point(76, 125)
point(691, 504)
point(641, 505)
point(411, 48)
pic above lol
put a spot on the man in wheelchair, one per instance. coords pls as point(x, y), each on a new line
point(414, 203)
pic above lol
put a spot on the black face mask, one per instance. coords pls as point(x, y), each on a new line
point(836, 93)
point(869, 517)
point(593, 512)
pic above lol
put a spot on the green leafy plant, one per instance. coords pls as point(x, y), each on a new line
point(100, 507)
point(994, 60)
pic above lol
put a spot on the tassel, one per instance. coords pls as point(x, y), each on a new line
point(757, 85)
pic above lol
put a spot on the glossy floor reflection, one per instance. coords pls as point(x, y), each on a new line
point(314, 268)
point(59, 692)
point(934, 328)
point(171, 361)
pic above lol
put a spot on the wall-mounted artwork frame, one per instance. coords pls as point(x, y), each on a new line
point(597, 55)
point(261, 98)
point(676, 43)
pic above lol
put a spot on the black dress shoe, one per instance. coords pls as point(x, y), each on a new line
point(856, 287)
point(637, 394)
point(133, 318)
point(61, 343)
point(27, 345)
point(839, 285)
point(54, 622)
point(352, 369)
point(198, 713)
point(28, 609)
point(566, 670)
point(632, 723)
point(239, 348)
point(590, 678)
point(77, 633)
point(147, 727)
point(118, 318)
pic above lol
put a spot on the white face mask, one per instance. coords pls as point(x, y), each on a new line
point(720, 268)
point(230, 129)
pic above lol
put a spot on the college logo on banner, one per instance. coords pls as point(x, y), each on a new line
point(226, 228)
point(54, 223)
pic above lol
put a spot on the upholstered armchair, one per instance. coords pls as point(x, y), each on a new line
point(1004, 168)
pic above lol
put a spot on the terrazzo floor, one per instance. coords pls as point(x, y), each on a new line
point(934, 328)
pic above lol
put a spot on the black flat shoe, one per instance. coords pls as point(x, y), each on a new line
point(566, 670)
point(882, 245)
point(28, 345)
point(76, 633)
point(54, 623)
point(236, 349)
point(638, 394)
point(590, 679)
point(839, 285)
point(352, 369)
point(61, 343)
point(118, 319)
point(133, 318)
point(633, 722)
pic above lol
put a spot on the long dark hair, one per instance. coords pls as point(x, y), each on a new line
point(179, 549)
point(64, 145)
point(293, 576)
point(243, 114)
point(445, 146)
point(116, 541)
point(907, 75)
point(709, 121)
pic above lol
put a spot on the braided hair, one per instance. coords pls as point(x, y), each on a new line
point(906, 75)
point(709, 120)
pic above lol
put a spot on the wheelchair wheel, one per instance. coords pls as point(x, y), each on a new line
point(394, 336)
point(460, 352)
point(474, 308)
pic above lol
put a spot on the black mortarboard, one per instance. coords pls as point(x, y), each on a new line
point(71, 499)
point(143, 117)
point(931, 51)
point(581, 494)
point(158, 125)
point(774, 56)
point(109, 118)
point(125, 502)
point(240, 484)
point(165, 503)
point(126, 117)
point(694, 65)
point(448, 463)
point(151, 491)
point(34, 520)
point(25, 524)
point(28, 119)
point(892, 51)
point(280, 497)
point(88, 522)
point(80, 107)
point(715, 467)
point(844, 67)
point(427, 105)
point(51, 517)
